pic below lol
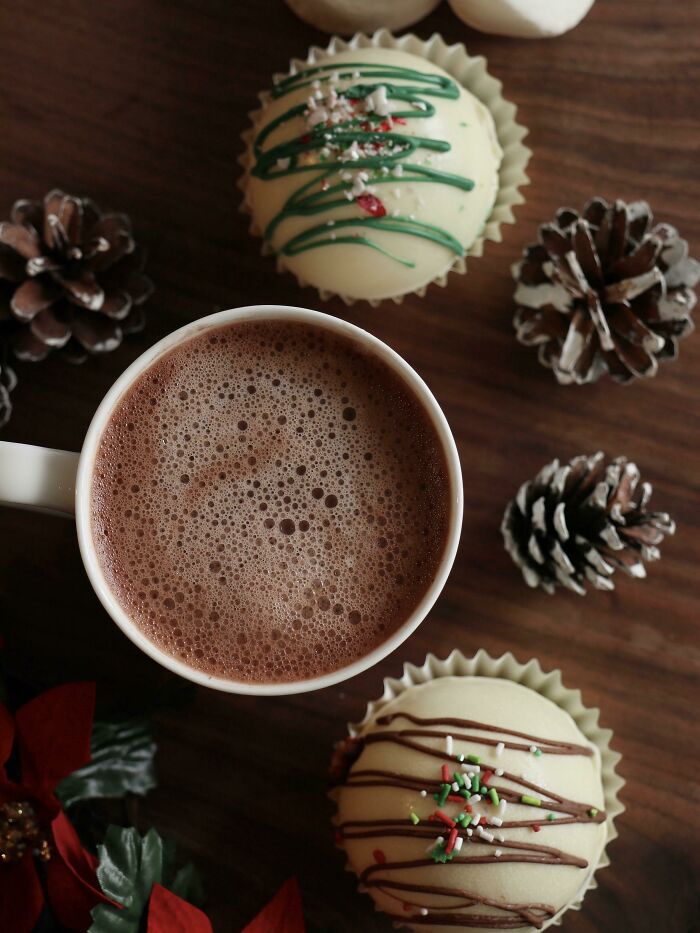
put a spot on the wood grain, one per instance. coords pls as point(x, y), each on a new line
point(140, 104)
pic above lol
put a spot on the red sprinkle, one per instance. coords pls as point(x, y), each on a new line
point(446, 775)
point(453, 798)
point(385, 126)
point(444, 818)
point(487, 777)
point(338, 838)
point(468, 809)
point(451, 841)
point(406, 907)
point(379, 856)
point(536, 827)
point(306, 138)
point(398, 120)
point(372, 205)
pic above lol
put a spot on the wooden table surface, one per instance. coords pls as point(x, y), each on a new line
point(140, 104)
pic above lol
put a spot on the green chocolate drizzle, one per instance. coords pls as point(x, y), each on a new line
point(320, 195)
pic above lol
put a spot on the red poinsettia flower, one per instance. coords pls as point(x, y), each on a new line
point(50, 737)
point(168, 913)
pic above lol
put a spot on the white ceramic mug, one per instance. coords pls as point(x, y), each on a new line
point(60, 482)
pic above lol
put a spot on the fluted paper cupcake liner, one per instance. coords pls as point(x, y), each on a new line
point(549, 685)
point(469, 71)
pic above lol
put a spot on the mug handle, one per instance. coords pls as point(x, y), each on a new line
point(38, 478)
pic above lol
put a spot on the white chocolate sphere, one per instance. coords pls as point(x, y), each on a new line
point(492, 886)
point(348, 16)
point(418, 187)
point(530, 19)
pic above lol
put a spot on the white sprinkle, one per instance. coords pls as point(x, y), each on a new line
point(487, 837)
point(311, 102)
point(283, 164)
point(476, 768)
point(449, 744)
point(349, 195)
point(498, 853)
point(396, 213)
point(424, 793)
point(439, 841)
point(533, 749)
point(378, 102)
point(325, 152)
point(411, 216)
point(319, 115)
point(470, 832)
point(430, 848)
point(499, 748)
point(315, 83)
point(502, 807)
point(334, 236)
point(385, 169)
point(458, 843)
point(499, 772)
point(318, 95)
point(496, 821)
point(356, 74)
point(424, 912)
point(358, 186)
point(475, 798)
point(330, 223)
point(455, 787)
point(346, 176)
point(500, 837)
point(397, 170)
point(476, 820)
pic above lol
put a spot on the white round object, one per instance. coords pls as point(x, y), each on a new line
point(520, 855)
point(530, 19)
point(348, 16)
point(373, 172)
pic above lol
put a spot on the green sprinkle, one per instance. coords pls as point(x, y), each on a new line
point(415, 819)
point(537, 753)
point(493, 794)
point(474, 759)
point(475, 784)
point(439, 854)
point(593, 813)
point(531, 801)
point(465, 793)
point(459, 778)
point(462, 123)
point(444, 793)
point(551, 816)
point(465, 819)
point(483, 790)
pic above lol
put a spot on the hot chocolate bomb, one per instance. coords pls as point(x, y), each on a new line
point(474, 803)
point(371, 172)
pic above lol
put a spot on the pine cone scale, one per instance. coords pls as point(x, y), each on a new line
point(31, 297)
point(23, 240)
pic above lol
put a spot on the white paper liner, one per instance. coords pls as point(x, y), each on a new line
point(471, 72)
point(549, 685)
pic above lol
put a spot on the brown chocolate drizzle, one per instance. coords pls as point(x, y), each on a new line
point(455, 912)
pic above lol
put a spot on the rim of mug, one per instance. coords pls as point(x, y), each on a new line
point(86, 466)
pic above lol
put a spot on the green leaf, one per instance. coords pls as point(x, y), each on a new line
point(129, 866)
point(121, 763)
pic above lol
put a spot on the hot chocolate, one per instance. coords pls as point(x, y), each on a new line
point(270, 502)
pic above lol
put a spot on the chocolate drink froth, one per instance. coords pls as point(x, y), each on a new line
point(269, 502)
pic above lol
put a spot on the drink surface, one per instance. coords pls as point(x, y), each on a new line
point(269, 502)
